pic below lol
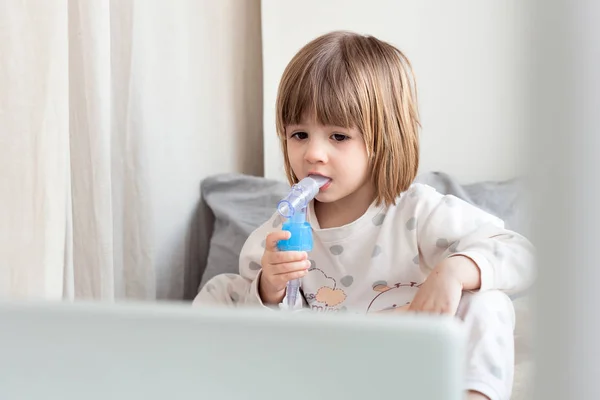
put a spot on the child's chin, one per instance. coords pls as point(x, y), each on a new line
point(325, 198)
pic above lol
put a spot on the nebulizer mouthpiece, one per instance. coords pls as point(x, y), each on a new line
point(300, 195)
point(293, 207)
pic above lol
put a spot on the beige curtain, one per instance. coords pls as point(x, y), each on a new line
point(111, 113)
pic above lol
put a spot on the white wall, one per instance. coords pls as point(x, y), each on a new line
point(467, 57)
point(204, 59)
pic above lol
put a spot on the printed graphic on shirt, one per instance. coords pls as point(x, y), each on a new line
point(328, 296)
point(392, 296)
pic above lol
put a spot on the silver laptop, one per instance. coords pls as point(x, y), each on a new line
point(94, 351)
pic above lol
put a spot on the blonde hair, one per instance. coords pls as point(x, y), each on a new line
point(356, 81)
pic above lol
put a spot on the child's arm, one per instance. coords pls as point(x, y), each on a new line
point(442, 291)
point(250, 260)
point(251, 265)
point(492, 257)
point(464, 270)
point(278, 268)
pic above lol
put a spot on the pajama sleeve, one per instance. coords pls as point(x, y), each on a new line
point(448, 226)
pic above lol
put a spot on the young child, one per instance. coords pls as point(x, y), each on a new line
point(346, 109)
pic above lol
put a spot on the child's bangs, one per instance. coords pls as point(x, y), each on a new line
point(325, 94)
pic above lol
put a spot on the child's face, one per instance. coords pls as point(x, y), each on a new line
point(337, 153)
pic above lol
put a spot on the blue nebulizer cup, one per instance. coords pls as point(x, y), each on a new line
point(293, 207)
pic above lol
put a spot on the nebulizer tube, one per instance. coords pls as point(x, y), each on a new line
point(293, 207)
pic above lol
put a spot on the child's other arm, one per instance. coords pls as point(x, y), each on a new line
point(448, 227)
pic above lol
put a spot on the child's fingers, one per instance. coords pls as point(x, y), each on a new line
point(286, 268)
point(285, 278)
point(425, 307)
point(281, 257)
point(280, 281)
point(274, 237)
point(391, 310)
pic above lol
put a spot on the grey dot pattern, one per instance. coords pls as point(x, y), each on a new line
point(497, 253)
point(400, 205)
point(411, 225)
point(500, 341)
point(254, 266)
point(376, 251)
point(263, 244)
point(415, 191)
point(347, 280)
point(378, 219)
point(496, 371)
point(343, 309)
point(501, 317)
point(235, 297)
point(416, 259)
point(210, 288)
point(380, 283)
point(336, 250)
point(450, 201)
point(442, 243)
point(453, 247)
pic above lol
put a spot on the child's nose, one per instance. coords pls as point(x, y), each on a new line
point(315, 153)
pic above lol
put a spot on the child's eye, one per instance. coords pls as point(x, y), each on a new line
point(338, 137)
point(300, 135)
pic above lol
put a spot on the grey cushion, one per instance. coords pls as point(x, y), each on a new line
point(508, 200)
point(241, 203)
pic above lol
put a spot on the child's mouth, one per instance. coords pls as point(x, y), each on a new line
point(320, 179)
point(325, 186)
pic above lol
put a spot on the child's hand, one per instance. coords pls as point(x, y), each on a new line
point(394, 310)
point(279, 267)
point(441, 292)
